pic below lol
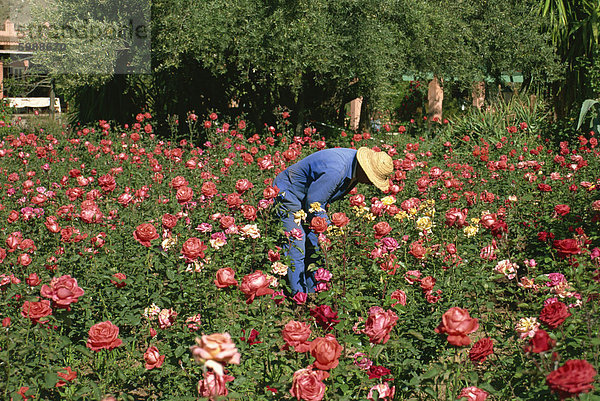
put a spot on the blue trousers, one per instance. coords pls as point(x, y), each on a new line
point(302, 252)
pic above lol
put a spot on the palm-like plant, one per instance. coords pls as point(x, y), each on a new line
point(573, 26)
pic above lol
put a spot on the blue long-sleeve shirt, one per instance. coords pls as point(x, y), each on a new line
point(324, 176)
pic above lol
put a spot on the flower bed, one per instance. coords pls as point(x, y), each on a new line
point(142, 268)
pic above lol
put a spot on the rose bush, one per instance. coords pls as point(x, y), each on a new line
point(95, 231)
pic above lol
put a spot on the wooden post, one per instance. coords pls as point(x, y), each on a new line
point(1, 79)
point(52, 98)
point(355, 106)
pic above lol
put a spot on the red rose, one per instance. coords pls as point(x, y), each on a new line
point(254, 285)
point(13, 216)
point(270, 192)
point(33, 280)
point(481, 350)
point(562, 210)
point(153, 358)
point(379, 325)
point(296, 334)
point(554, 314)
point(574, 377)
point(544, 187)
point(103, 336)
point(63, 291)
point(357, 200)
point(456, 217)
point(119, 280)
point(184, 194)
point(36, 310)
point(225, 277)
point(169, 221)
point(540, 342)
point(324, 316)
point(376, 372)
point(66, 377)
point(249, 212)
point(226, 221)
point(243, 185)
point(178, 182)
point(412, 203)
point(144, 233)
point(566, 247)
point(193, 249)
point(51, 224)
point(318, 224)
point(308, 384)
point(427, 283)
point(457, 323)
point(417, 250)
point(340, 219)
point(234, 201)
point(107, 183)
point(326, 351)
point(381, 229)
point(488, 220)
point(209, 189)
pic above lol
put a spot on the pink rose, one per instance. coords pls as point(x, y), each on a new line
point(254, 285)
point(153, 358)
point(473, 394)
point(456, 217)
point(193, 248)
point(308, 384)
point(225, 278)
point(296, 334)
point(457, 323)
point(384, 391)
point(213, 385)
point(379, 325)
point(63, 291)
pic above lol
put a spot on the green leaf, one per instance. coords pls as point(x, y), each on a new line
point(50, 380)
point(585, 107)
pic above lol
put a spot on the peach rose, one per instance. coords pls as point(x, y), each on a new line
point(379, 325)
point(144, 233)
point(326, 351)
point(296, 334)
point(308, 384)
point(254, 285)
point(103, 335)
point(243, 185)
point(216, 347)
point(457, 323)
point(153, 358)
point(225, 277)
point(36, 310)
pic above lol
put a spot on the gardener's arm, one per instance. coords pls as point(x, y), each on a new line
point(322, 190)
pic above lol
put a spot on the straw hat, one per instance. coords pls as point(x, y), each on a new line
point(377, 165)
